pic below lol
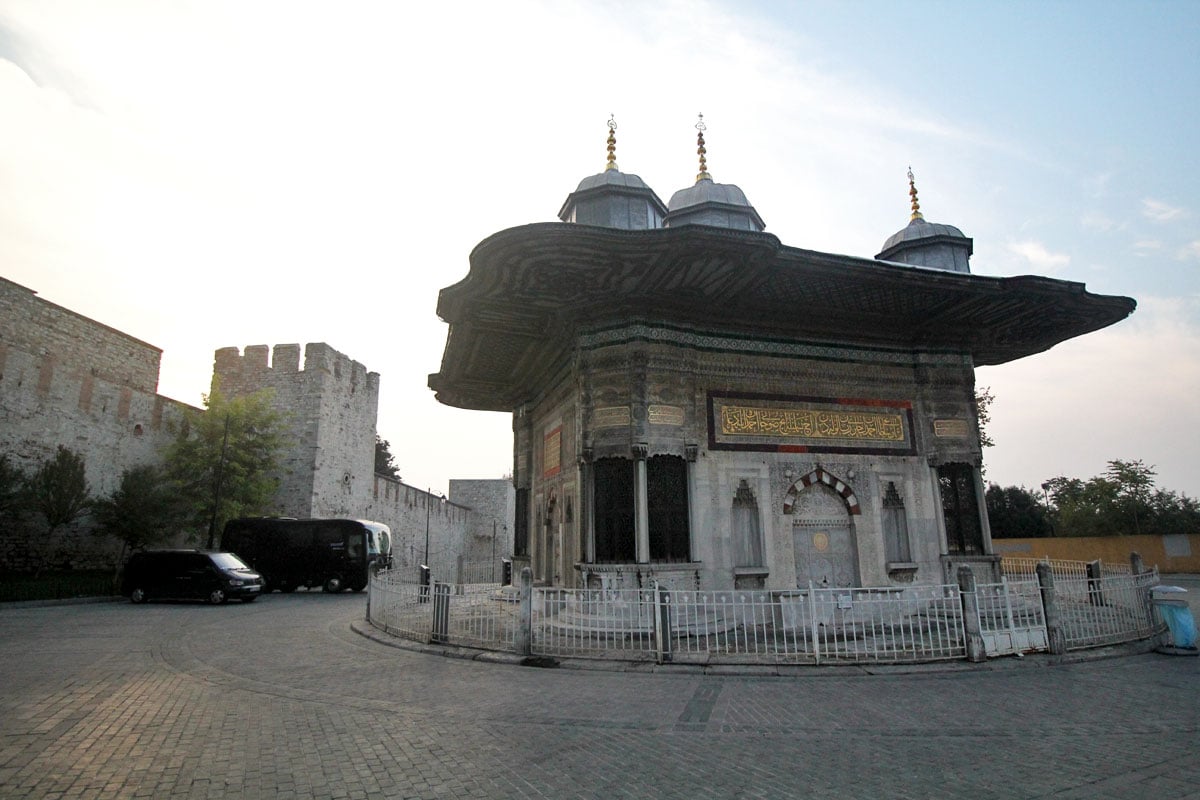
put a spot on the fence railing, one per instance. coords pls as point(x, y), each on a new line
point(1106, 610)
point(1018, 567)
point(910, 624)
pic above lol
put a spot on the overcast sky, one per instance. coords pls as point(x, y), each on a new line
point(210, 174)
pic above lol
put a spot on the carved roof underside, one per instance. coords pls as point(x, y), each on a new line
point(529, 289)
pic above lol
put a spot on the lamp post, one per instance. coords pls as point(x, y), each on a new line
point(1046, 496)
point(428, 503)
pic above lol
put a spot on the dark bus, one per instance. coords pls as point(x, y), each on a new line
point(334, 554)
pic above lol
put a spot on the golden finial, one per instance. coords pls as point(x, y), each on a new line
point(612, 143)
point(912, 193)
point(700, 151)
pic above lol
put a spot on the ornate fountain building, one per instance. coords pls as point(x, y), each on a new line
point(695, 402)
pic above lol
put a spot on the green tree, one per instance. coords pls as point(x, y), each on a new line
point(384, 462)
point(223, 461)
point(1135, 485)
point(1014, 512)
point(12, 482)
point(144, 510)
point(58, 489)
point(983, 412)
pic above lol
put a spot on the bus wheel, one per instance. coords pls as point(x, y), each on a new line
point(333, 584)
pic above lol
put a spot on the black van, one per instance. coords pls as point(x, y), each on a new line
point(189, 575)
point(334, 554)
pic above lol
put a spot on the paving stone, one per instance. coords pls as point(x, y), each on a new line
point(282, 698)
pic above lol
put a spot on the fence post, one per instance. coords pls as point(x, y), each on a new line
point(812, 622)
point(424, 593)
point(662, 622)
point(1144, 593)
point(523, 640)
point(441, 613)
point(970, 607)
point(1055, 636)
point(1095, 585)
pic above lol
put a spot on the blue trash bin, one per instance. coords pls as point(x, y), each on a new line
point(1172, 606)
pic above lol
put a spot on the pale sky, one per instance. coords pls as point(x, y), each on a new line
point(226, 173)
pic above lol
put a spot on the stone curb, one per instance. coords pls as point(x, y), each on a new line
point(62, 601)
point(365, 629)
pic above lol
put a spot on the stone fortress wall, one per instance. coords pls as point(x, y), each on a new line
point(69, 380)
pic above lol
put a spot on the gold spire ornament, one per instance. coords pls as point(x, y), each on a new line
point(912, 194)
point(612, 143)
point(700, 151)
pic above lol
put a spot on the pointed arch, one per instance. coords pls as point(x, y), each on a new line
point(819, 475)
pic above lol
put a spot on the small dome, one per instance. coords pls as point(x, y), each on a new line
point(929, 244)
point(611, 178)
point(614, 199)
point(920, 229)
point(721, 205)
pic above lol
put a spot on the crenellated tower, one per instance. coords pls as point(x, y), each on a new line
point(331, 404)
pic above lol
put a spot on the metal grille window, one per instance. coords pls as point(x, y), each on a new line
point(667, 501)
point(960, 509)
point(521, 524)
point(614, 524)
point(895, 526)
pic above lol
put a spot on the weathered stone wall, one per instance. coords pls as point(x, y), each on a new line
point(67, 380)
point(489, 528)
point(653, 387)
point(41, 328)
point(330, 407)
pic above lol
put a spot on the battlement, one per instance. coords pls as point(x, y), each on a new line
point(260, 366)
point(38, 327)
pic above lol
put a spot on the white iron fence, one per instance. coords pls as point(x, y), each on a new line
point(806, 626)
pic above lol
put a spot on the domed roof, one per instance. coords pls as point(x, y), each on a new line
point(721, 205)
point(611, 178)
point(613, 199)
point(920, 229)
point(927, 244)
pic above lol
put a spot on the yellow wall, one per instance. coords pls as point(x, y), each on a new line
point(1110, 550)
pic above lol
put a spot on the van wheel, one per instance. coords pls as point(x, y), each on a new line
point(216, 597)
point(333, 584)
point(138, 595)
point(250, 598)
point(358, 587)
point(287, 587)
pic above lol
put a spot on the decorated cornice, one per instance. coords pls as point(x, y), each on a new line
point(531, 290)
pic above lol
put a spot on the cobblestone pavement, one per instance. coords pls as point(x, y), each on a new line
point(280, 698)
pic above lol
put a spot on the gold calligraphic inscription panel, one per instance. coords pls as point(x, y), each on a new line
point(951, 428)
point(811, 424)
point(802, 424)
point(665, 415)
point(611, 417)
